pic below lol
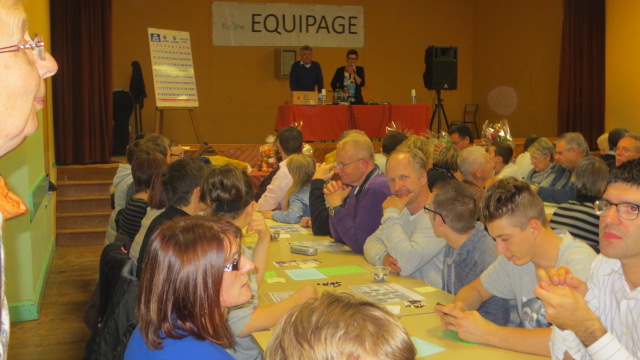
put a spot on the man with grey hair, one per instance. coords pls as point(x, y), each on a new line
point(476, 168)
point(571, 148)
point(614, 137)
point(628, 148)
point(405, 241)
point(306, 74)
point(355, 201)
point(453, 212)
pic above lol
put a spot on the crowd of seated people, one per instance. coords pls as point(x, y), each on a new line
point(456, 225)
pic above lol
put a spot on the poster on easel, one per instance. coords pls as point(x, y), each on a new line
point(174, 78)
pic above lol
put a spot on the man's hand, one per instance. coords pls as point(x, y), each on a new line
point(391, 262)
point(324, 171)
point(444, 310)
point(469, 325)
point(305, 222)
point(335, 192)
point(399, 203)
point(562, 276)
point(567, 309)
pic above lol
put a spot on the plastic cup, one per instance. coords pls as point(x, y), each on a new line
point(380, 273)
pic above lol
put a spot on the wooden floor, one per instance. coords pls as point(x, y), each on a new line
point(60, 333)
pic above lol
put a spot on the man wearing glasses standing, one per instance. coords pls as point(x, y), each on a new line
point(405, 241)
point(355, 201)
point(601, 319)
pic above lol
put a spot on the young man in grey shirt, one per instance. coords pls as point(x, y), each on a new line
point(515, 218)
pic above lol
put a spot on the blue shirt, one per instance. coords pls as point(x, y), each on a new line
point(187, 348)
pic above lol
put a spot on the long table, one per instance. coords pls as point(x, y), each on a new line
point(427, 327)
point(279, 250)
point(421, 323)
point(328, 122)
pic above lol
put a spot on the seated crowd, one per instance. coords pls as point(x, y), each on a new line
point(468, 220)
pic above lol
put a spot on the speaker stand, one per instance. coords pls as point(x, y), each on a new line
point(439, 109)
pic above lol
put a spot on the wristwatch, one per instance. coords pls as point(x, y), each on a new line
point(332, 210)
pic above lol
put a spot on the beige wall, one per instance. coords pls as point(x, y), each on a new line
point(622, 58)
point(239, 93)
point(516, 51)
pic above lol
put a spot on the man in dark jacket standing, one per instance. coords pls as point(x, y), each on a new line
point(306, 74)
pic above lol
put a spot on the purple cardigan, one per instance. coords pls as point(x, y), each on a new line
point(362, 212)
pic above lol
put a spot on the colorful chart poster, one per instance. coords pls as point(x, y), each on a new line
point(174, 78)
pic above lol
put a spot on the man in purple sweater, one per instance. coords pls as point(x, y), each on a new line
point(355, 201)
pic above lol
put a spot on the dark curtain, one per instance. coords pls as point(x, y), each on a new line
point(581, 93)
point(81, 43)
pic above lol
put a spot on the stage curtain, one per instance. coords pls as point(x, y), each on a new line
point(581, 88)
point(82, 97)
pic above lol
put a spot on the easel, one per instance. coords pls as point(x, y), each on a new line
point(160, 119)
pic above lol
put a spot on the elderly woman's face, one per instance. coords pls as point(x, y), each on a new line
point(540, 162)
point(22, 76)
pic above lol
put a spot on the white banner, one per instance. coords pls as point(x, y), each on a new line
point(174, 79)
point(255, 24)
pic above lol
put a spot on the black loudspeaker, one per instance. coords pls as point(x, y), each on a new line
point(442, 68)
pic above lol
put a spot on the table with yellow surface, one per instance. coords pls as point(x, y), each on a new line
point(279, 250)
point(433, 343)
point(421, 323)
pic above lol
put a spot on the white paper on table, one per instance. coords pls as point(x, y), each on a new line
point(288, 228)
point(386, 293)
point(394, 309)
point(279, 296)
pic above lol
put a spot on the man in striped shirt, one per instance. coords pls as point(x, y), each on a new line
point(601, 319)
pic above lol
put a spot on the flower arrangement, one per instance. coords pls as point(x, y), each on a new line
point(497, 131)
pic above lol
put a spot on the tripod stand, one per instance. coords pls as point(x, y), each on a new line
point(438, 109)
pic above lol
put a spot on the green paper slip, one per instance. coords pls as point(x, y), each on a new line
point(304, 274)
point(270, 275)
point(453, 336)
point(342, 270)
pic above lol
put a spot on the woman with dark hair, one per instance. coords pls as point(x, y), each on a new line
point(194, 272)
point(144, 168)
point(229, 193)
point(350, 78)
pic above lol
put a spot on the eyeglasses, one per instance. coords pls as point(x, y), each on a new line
point(427, 210)
point(625, 149)
point(537, 157)
point(343, 165)
point(234, 266)
point(37, 46)
point(352, 58)
point(626, 211)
